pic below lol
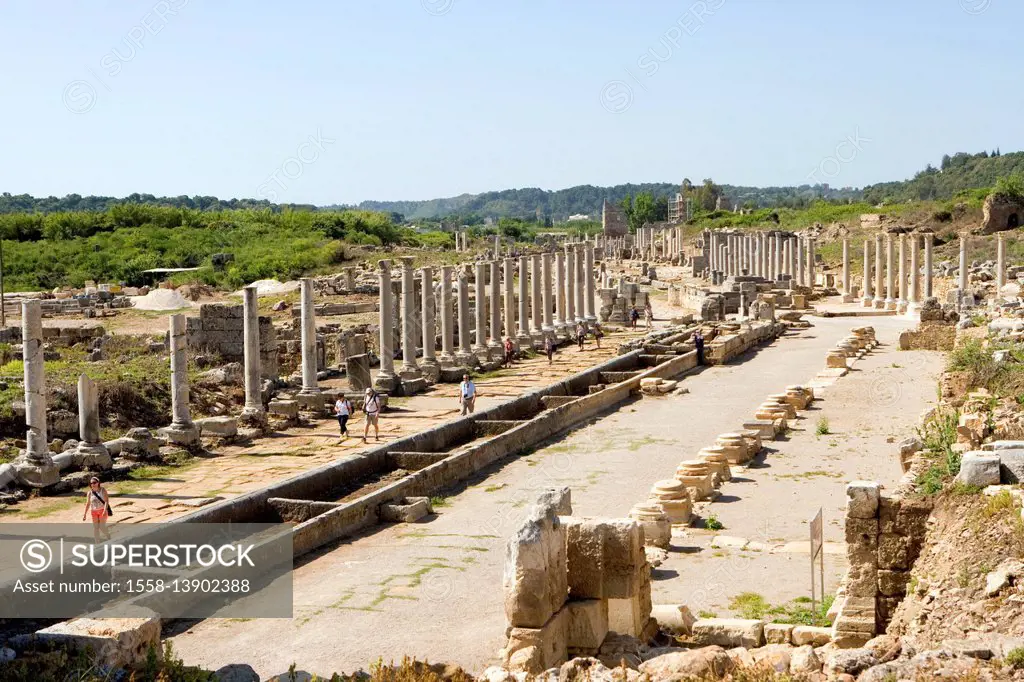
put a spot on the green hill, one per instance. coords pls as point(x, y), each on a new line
point(955, 174)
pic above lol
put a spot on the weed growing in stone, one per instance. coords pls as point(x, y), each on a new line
point(822, 428)
point(712, 523)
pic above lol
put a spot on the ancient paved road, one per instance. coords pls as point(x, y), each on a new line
point(433, 589)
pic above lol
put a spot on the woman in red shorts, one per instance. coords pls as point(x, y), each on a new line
point(97, 504)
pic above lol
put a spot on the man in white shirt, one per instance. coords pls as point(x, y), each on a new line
point(467, 395)
point(371, 406)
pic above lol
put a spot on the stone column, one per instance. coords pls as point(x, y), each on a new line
point(787, 257)
point(865, 300)
point(494, 300)
point(308, 321)
point(810, 262)
point(447, 317)
point(91, 450)
point(581, 289)
point(523, 338)
point(928, 243)
point(480, 307)
point(890, 273)
point(879, 300)
point(497, 246)
point(963, 264)
point(386, 379)
point(350, 279)
point(560, 329)
point(35, 468)
point(547, 300)
point(846, 266)
point(181, 431)
point(801, 277)
point(464, 355)
point(1000, 264)
point(778, 256)
point(570, 290)
point(429, 364)
point(510, 297)
point(411, 322)
point(588, 273)
point(536, 303)
point(915, 269)
point(253, 413)
point(901, 303)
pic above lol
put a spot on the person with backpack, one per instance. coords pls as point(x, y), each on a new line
point(549, 349)
point(343, 410)
point(634, 315)
point(371, 407)
point(698, 343)
point(598, 334)
point(581, 335)
point(97, 504)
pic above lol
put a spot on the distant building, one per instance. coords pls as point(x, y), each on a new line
point(578, 217)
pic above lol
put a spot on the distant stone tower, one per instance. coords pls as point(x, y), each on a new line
point(613, 220)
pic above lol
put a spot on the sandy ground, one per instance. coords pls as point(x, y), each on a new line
point(433, 589)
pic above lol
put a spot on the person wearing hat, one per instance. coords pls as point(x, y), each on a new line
point(97, 504)
point(371, 407)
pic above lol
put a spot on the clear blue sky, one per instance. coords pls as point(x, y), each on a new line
point(431, 98)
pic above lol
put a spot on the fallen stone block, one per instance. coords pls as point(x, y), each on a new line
point(778, 633)
point(113, 642)
point(674, 618)
point(409, 510)
point(729, 632)
point(218, 427)
point(979, 469)
point(809, 634)
point(587, 623)
point(691, 664)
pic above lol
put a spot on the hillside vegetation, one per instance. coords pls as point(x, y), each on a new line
point(955, 174)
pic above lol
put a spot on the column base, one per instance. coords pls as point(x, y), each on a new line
point(867, 302)
point(879, 303)
point(431, 370)
point(901, 307)
point(36, 474)
point(95, 456)
point(890, 304)
point(311, 402)
point(410, 373)
point(184, 435)
point(252, 417)
point(561, 331)
point(447, 360)
point(523, 341)
point(466, 359)
point(385, 383)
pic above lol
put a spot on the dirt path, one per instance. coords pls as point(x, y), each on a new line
point(433, 589)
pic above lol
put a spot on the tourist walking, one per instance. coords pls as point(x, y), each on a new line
point(581, 335)
point(648, 316)
point(510, 351)
point(97, 504)
point(698, 343)
point(371, 408)
point(467, 395)
point(343, 410)
point(549, 349)
point(598, 333)
point(634, 315)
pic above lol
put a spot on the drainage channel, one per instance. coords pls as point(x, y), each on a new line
point(395, 480)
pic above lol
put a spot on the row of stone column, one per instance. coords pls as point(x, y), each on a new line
point(556, 291)
point(897, 271)
point(768, 255)
point(671, 242)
